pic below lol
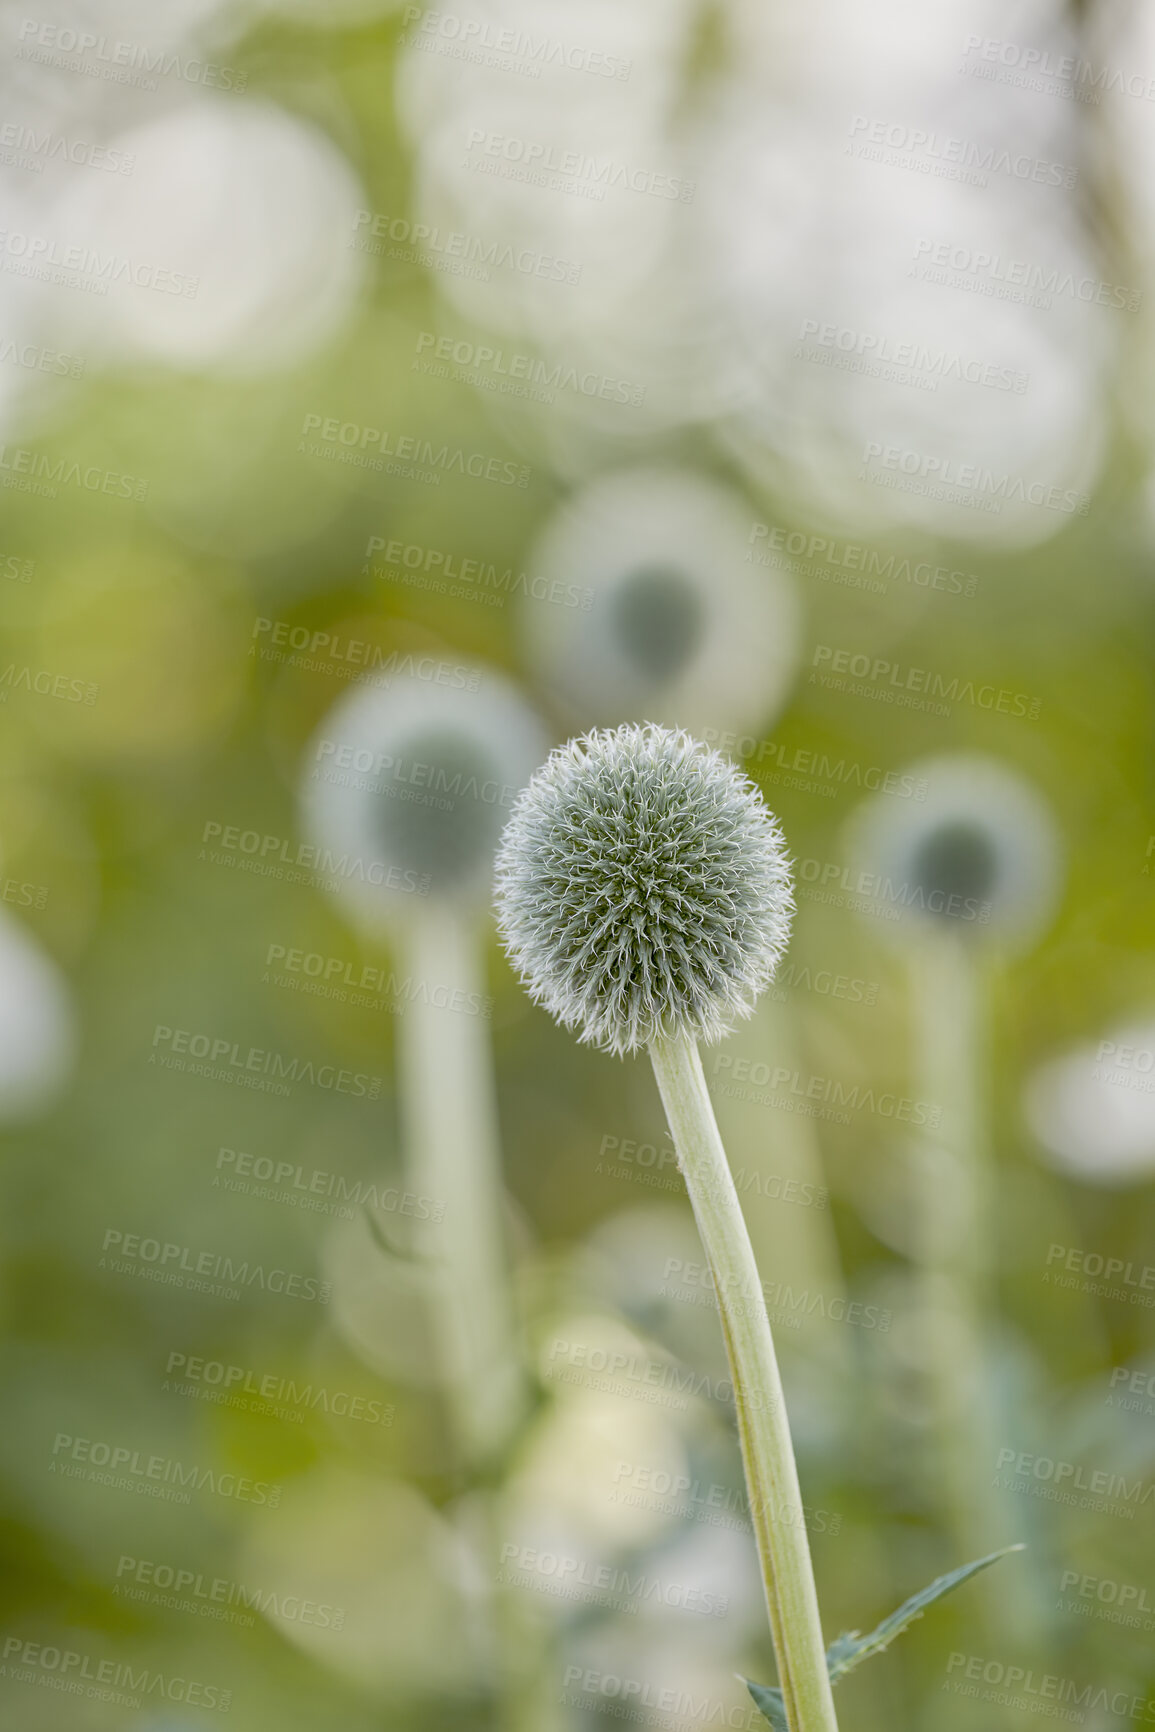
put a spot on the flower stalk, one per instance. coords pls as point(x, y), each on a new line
point(449, 1119)
point(763, 1428)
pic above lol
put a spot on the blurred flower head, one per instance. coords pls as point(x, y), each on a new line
point(977, 855)
point(37, 1036)
point(413, 784)
point(643, 889)
point(1093, 1109)
point(237, 215)
point(681, 627)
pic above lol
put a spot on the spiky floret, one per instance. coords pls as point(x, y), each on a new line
point(643, 888)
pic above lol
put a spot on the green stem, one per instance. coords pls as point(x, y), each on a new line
point(955, 1225)
point(767, 1452)
point(448, 1107)
point(449, 1123)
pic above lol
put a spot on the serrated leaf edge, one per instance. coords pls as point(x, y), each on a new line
point(850, 1648)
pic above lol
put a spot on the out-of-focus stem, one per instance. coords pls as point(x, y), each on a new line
point(450, 1134)
point(953, 1241)
point(767, 1452)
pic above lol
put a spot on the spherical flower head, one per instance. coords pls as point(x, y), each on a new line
point(675, 622)
point(976, 854)
point(643, 888)
point(410, 786)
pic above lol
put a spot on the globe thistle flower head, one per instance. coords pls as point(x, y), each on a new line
point(973, 851)
point(676, 621)
point(643, 888)
point(410, 787)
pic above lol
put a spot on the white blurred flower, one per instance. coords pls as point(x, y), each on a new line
point(979, 857)
point(959, 382)
point(228, 246)
point(37, 1034)
point(1093, 1109)
point(568, 1488)
point(922, 348)
point(331, 14)
point(683, 629)
point(415, 784)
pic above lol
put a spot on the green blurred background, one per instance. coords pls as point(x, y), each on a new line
point(177, 613)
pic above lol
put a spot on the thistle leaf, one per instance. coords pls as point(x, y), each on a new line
point(770, 1701)
point(851, 1648)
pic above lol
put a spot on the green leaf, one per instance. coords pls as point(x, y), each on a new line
point(770, 1701)
point(851, 1649)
